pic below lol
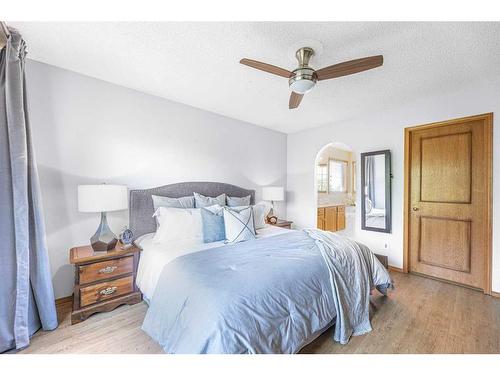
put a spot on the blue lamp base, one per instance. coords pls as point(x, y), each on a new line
point(103, 239)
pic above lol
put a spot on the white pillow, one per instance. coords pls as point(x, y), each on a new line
point(238, 224)
point(144, 239)
point(260, 211)
point(178, 224)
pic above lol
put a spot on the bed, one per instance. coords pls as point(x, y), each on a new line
point(154, 257)
point(273, 294)
point(376, 218)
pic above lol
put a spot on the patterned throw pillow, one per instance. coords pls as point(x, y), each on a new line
point(260, 211)
point(239, 224)
point(202, 201)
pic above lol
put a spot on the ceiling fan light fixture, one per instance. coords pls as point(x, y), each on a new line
point(302, 80)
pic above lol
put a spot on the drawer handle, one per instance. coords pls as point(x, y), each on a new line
point(108, 269)
point(108, 291)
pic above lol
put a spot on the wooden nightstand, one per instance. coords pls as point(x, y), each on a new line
point(283, 224)
point(103, 280)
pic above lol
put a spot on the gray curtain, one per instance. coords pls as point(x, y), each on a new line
point(26, 293)
point(370, 178)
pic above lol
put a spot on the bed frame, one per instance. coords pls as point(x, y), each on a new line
point(141, 209)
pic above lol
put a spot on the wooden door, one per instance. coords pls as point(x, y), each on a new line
point(449, 199)
point(331, 219)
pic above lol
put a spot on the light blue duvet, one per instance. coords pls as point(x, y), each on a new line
point(270, 295)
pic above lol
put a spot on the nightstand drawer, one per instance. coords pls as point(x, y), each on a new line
point(104, 270)
point(106, 290)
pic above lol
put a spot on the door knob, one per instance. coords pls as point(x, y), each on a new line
point(415, 208)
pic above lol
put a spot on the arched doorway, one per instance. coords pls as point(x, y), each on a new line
point(335, 188)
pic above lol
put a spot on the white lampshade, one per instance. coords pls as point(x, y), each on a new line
point(273, 193)
point(102, 198)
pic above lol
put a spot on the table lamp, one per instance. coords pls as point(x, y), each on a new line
point(102, 198)
point(273, 194)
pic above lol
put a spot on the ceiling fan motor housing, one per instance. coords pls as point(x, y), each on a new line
point(304, 78)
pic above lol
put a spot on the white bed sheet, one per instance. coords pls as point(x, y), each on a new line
point(155, 256)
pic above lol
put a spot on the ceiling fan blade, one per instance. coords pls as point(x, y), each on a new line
point(295, 100)
point(266, 67)
point(349, 67)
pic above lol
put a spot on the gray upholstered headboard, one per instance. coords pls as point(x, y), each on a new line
point(141, 212)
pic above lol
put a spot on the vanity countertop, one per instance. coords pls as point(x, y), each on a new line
point(331, 205)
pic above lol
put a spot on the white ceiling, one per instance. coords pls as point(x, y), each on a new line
point(197, 63)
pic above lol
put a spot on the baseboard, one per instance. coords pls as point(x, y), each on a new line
point(396, 269)
point(63, 300)
point(447, 281)
point(495, 294)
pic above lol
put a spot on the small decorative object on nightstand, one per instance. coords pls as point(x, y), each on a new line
point(126, 238)
point(103, 280)
point(283, 224)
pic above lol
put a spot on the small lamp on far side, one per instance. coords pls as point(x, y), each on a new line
point(273, 194)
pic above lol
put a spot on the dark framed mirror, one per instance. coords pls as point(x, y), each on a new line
point(376, 191)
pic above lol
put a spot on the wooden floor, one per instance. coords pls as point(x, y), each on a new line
point(420, 316)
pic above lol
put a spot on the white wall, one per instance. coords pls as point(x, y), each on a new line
point(89, 131)
point(384, 130)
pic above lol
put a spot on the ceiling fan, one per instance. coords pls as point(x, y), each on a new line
point(304, 78)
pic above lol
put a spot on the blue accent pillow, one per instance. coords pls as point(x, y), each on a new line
point(182, 202)
point(237, 201)
point(213, 224)
point(202, 201)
